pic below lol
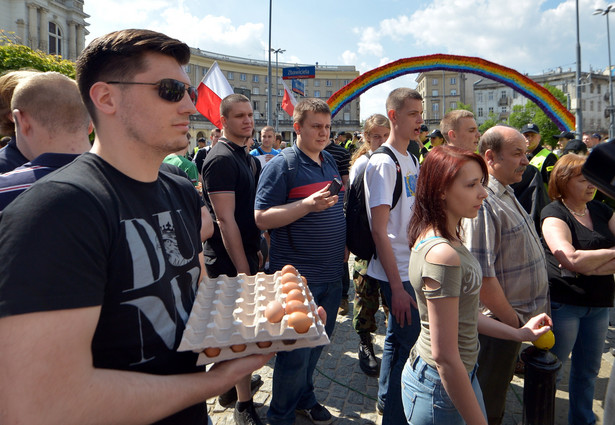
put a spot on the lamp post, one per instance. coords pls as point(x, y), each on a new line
point(276, 51)
point(579, 112)
point(269, 70)
point(605, 12)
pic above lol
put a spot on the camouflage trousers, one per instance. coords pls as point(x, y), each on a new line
point(366, 300)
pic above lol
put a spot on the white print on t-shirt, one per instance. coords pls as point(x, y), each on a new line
point(149, 266)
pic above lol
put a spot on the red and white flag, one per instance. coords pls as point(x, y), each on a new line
point(211, 90)
point(288, 101)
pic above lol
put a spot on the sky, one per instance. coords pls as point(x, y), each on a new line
point(530, 36)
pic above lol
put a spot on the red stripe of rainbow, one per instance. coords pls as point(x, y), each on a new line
point(557, 112)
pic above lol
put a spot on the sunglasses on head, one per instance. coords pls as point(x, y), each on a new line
point(168, 89)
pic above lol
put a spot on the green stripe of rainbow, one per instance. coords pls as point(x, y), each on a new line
point(557, 112)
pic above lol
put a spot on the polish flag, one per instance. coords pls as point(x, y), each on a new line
point(288, 101)
point(212, 89)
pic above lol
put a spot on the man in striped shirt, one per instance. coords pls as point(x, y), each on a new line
point(51, 123)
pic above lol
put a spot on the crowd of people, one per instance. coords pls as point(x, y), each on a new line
point(480, 242)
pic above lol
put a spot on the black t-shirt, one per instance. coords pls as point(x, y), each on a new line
point(88, 235)
point(593, 291)
point(229, 168)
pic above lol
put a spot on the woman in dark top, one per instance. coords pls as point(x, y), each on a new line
point(578, 236)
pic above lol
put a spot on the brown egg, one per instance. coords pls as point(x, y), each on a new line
point(264, 344)
point(238, 348)
point(300, 322)
point(289, 277)
point(212, 351)
point(289, 341)
point(294, 305)
point(274, 311)
point(295, 294)
point(289, 286)
point(304, 280)
point(289, 269)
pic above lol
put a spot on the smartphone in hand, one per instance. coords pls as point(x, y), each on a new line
point(335, 187)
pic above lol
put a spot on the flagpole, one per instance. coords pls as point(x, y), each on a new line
point(269, 70)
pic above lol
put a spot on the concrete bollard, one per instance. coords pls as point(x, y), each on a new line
point(541, 367)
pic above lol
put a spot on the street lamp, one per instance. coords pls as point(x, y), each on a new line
point(269, 69)
point(605, 12)
point(276, 51)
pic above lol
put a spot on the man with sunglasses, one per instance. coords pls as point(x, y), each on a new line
point(104, 258)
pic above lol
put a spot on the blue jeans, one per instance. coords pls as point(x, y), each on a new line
point(580, 330)
point(397, 345)
point(425, 399)
point(293, 383)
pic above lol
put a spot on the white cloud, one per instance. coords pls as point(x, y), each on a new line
point(349, 58)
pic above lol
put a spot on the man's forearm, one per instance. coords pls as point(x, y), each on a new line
point(280, 215)
point(492, 296)
point(231, 238)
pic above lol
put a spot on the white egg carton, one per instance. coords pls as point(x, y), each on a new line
point(230, 311)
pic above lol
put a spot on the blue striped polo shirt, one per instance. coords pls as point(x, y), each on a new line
point(314, 244)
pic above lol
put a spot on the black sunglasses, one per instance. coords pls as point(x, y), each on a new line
point(168, 89)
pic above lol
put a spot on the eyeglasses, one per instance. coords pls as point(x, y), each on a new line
point(168, 89)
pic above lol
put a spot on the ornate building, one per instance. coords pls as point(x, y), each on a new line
point(57, 27)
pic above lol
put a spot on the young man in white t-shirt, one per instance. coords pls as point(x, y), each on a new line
point(389, 229)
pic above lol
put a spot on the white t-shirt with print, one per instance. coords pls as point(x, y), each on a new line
point(380, 177)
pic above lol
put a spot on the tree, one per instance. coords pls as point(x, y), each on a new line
point(490, 122)
point(15, 56)
point(531, 113)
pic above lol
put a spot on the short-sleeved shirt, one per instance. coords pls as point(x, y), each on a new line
point(463, 282)
point(315, 243)
point(341, 156)
point(229, 169)
point(88, 235)
point(185, 165)
point(21, 178)
point(11, 157)
point(574, 288)
point(503, 239)
point(379, 180)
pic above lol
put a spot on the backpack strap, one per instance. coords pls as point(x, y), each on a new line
point(291, 156)
point(398, 180)
point(260, 150)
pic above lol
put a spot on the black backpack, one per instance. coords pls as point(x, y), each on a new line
point(358, 234)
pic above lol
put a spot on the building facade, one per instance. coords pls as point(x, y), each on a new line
point(443, 91)
point(250, 77)
point(57, 27)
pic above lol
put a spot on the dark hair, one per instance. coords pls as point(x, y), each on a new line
point(227, 103)
point(438, 173)
point(120, 55)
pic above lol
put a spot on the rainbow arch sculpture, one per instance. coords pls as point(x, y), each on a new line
point(557, 112)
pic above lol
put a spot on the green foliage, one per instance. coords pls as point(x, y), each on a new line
point(531, 113)
point(15, 56)
point(464, 106)
point(490, 122)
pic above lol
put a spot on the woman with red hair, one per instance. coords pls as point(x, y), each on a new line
point(439, 379)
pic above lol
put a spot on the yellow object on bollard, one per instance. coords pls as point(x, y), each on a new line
point(545, 341)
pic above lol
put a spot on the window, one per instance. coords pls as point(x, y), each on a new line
point(435, 107)
point(229, 75)
point(280, 92)
point(242, 77)
point(480, 112)
point(316, 83)
point(434, 92)
point(434, 82)
point(436, 116)
point(515, 94)
point(490, 110)
point(255, 78)
point(329, 93)
point(591, 88)
point(453, 80)
point(316, 93)
point(479, 96)
point(453, 105)
point(346, 82)
point(205, 71)
point(255, 105)
point(591, 105)
point(328, 83)
point(55, 39)
point(504, 109)
point(187, 68)
point(599, 88)
point(256, 90)
point(503, 94)
point(453, 92)
point(490, 95)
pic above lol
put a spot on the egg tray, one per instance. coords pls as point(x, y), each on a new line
point(230, 311)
